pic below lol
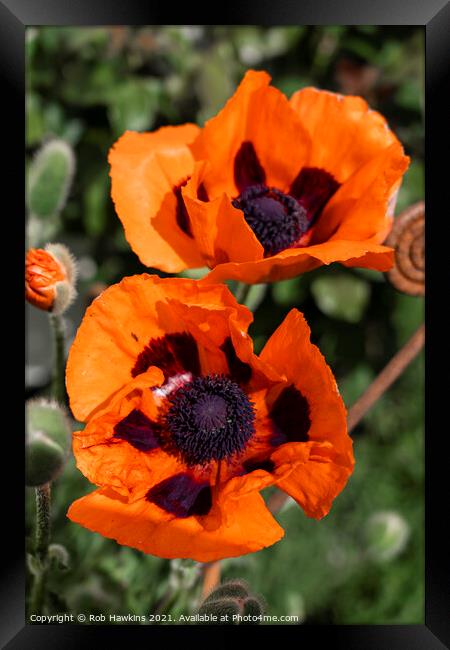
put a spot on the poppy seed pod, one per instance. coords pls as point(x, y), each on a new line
point(47, 442)
point(50, 276)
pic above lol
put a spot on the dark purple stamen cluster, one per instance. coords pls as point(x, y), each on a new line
point(210, 418)
point(277, 219)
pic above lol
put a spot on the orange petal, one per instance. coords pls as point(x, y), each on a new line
point(263, 116)
point(360, 208)
point(121, 321)
point(294, 261)
point(147, 527)
point(290, 351)
point(145, 169)
point(220, 230)
point(107, 460)
point(345, 133)
point(313, 482)
point(313, 479)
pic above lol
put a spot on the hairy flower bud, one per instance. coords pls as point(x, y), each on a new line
point(50, 276)
point(47, 441)
point(232, 603)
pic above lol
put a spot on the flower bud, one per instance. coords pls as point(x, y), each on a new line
point(49, 179)
point(50, 276)
point(387, 534)
point(235, 603)
point(47, 442)
point(59, 555)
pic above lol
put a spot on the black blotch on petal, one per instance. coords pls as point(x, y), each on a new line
point(138, 430)
point(181, 212)
point(172, 353)
point(202, 194)
point(247, 168)
point(240, 371)
point(290, 416)
point(182, 496)
point(313, 188)
point(252, 465)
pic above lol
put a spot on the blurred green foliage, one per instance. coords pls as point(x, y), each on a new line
point(364, 562)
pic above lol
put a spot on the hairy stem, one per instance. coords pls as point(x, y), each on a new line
point(58, 382)
point(43, 499)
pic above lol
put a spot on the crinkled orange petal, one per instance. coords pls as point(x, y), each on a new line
point(294, 261)
point(121, 321)
point(145, 168)
point(345, 133)
point(143, 525)
point(119, 465)
point(220, 230)
point(360, 208)
point(113, 462)
point(314, 479)
point(313, 482)
point(290, 351)
point(262, 115)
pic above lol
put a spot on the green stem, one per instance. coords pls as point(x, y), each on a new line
point(242, 291)
point(58, 382)
point(43, 499)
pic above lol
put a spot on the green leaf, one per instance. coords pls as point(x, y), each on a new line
point(413, 186)
point(344, 297)
point(49, 179)
point(134, 104)
point(288, 292)
point(353, 385)
point(95, 201)
point(34, 120)
point(214, 81)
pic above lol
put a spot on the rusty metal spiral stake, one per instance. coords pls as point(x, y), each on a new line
point(408, 238)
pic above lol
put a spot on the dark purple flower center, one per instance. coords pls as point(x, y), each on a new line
point(277, 219)
point(209, 419)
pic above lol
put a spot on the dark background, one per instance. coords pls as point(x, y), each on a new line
point(364, 562)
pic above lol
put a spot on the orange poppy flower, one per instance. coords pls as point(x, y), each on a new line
point(185, 424)
point(50, 278)
point(267, 189)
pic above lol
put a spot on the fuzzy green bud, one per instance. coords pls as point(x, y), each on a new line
point(387, 534)
point(47, 441)
point(50, 177)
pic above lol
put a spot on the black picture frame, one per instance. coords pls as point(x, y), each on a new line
point(434, 15)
